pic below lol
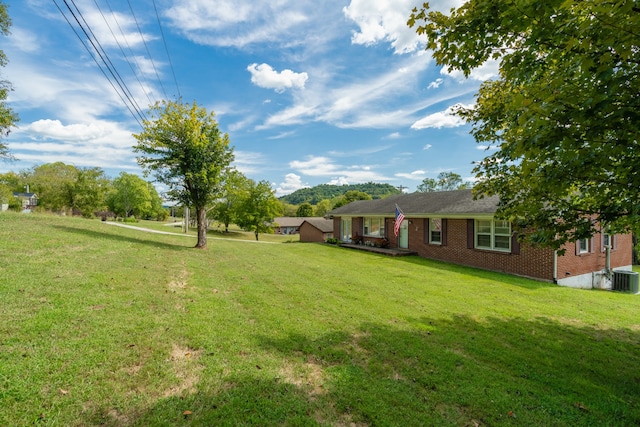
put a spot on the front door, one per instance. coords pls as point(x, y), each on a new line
point(345, 230)
point(403, 235)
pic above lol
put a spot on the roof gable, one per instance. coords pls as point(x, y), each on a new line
point(290, 221)
point(322, 224)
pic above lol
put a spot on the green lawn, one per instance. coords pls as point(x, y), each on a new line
point(102, 325)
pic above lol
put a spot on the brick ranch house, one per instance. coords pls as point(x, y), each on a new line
point(451, 226)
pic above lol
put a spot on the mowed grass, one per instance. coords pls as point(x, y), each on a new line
point(103, 325)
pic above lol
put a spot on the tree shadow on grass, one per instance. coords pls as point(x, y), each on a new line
point(467, 270)
point(104, 235)
point(496, 276)
point(442, 372)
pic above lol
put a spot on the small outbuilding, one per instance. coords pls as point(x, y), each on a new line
point(316, 230)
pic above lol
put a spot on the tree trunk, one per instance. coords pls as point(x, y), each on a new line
point(256, 233)
point(201, 217)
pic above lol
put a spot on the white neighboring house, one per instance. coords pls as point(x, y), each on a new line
point(29, 201)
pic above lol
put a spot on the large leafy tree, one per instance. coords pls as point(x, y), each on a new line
point(258, 208)
point(53, 183)
point(7, 117)
point(234, 189)
point(157, 211)
point(446, 181)
point(13, 181)
point(323, 207)
point(351, 196)
point(564, 113)
point(89, 191)
point(129, 196)
point(182, 146)
point(304, 210)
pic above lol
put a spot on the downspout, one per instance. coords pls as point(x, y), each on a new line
point(555, 267)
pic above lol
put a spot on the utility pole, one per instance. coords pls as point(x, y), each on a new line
point(186, 219)
point(401, 187)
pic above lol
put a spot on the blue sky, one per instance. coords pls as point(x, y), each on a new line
point(310, 92)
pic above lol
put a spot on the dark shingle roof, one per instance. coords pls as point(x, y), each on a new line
point(289, 221)
point(443, 203)
point(324, 225)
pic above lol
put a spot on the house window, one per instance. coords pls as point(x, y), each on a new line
point(493, 235)
point(583, 246)
point(435, 231)
point(608, 239)
point(373, 227)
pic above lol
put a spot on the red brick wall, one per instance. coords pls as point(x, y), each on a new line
point(571, 264)
point(309, 233)
point(530, 261)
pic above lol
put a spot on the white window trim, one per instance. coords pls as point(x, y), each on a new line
point(431, 228)
point(493, 237)
point(586, 249)
point(381, 226)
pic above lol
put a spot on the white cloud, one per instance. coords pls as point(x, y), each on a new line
point(147, 67)
point(24, 40)
point(98, 132)
point(243, 23)
point(265, 76)
point(282, 135)
point(441, 119)
point(361, 103)
point(55, 129)
point(114, 28)
point(321, 166)
point(435, 84)
point(417, 175)
point(488, 70)
point(65, 91)
point(384, 21)
point(248, 162)
point(427, 146)
point(486, 147)
point(339, 181)
point(292, 182)
point(98, 144)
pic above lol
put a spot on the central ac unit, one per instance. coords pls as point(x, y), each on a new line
point(625, 281)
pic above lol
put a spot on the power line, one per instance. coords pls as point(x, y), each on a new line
point(164, 40)
point(124, 54)
point(104, 62)
point(147, 48)
point(93, 56)
point(107, 61)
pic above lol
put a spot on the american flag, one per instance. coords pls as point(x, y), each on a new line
point(399, 219)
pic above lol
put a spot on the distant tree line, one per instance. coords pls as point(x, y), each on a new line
point(67, 189)
point(446, 181)
point(315, 195)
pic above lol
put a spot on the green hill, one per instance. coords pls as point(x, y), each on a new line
point(326, 191)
